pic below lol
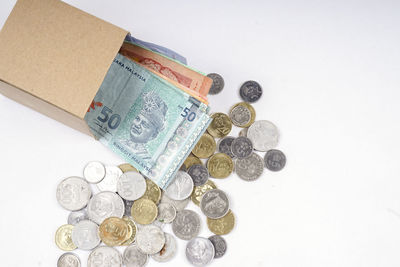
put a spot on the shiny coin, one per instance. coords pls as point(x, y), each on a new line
point(220, 125)
point(131, 185)
point(214, 204)
point(150, 239)
point(128, 207)
point(64, 237)
point(217, 85)
point(200, 251)
point(168, 251)
point(181, 187)
point(242, 114)
point(144, 211)
point(225, 145)
point(126, 167)
point(219, 244)
point(105, 257)
point(199, 191)
point(250, 91)
point(73, 193)
point(104, 205)
point(242, 147)
point(113, 231)
point(275, 160)
point(220, 165)
point(222, 226)
point(77, 216)
point(199, 174)
point(132, 231)
point(205, 147)
point(191, 160)
point(186, 224)
point(264, 135)
point(94, 172)
point(178, 204)
point(166, 212)
point(109, 183)
point(153, 192)
point(243, 132)
point(133, 257)
point(85, 235)
point(68, 260)
point(250, 168)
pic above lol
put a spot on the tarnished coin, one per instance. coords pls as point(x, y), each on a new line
point(225, 145)
point(250, 168)
point(166, 212)
point(217, 85)
point(186, 224)
point(242, 114)
point(199, 174)
point(94, 172)
point(105, 257)
point(77, 216)
point(219, 245)
point(133, 257)
point(68, 260)
point(214, 204)
point(191, 160)
point(64, 237)
point(153, 192)
point(199, 251)
point(205, 147)
point(220, 165)
point(150, 239)
point(126, 167)
point(264, 135)
point(104, 205)
point(178, 204)
point(250, 91)
point(73, 193)
point(274, 160)
point(131, 185)
point(144, 211)
point(85, 235)
point(132, 231)
point(242, 147)
point(109, 183)
point(220, 125)
point(243, 132)
point(128, 207)
point(222, 226)
point(114, 231)
point(181, 187)
point(199, 191)
point(168, 251)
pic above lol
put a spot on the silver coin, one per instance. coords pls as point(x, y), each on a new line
point(199, 251)
point(199, 174)
point(105, 257)
point(85, 235)
point(73, 193)
point(219, 244)
point(274, 160)
point(217, 85)
point(250, 91)
point(150, 239)
point(128, 207)
point(131, 185)
point(94, 172)
point(225, 145)
point(264, 135)
point(214, 204)
point(77, 216)
point(178, 204)
point(240, 115)
point(181, 187)
point(68, 260)
point(109, 183)
point(168, 251)
point(250, 168)
point(104, 205)
point(243, 132)
point(166, 212)
point(186, 224)
point(242, 147)
point(133, 257)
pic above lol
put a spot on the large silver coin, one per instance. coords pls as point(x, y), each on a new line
point(214, 204)
point(133, 257)
point(225, 145)
point(166, 212)
point(168, 251)
point(104, 205)
point(181, 187)
point(240, 115)
point(199, 251)
point(131, 185)
point(250, 91)
point(217, 85)
point(219, 244)
point(186, 224)
point(68, 260)
point(250, 168)
point(77, 216)
point(178, 204)
point(242, 147)
point(274, 160)
point(94, 172)
point(109, 183)
point(73, 193)
point(150, 239)
point(105, 257)
point(264, 135)
point(85, 235)
point(199, 174)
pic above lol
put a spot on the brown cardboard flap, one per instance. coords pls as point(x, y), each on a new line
point(57, 53)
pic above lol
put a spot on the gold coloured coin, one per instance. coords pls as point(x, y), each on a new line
point(205, 147)
point(220, 165)
point(222, 226)
point(132, 231)
point(242, 114)
point(126, 167)
point(114, 231)
point(64, 239)
point(144, 211)
point(153, 192)
point(220, 126)
point(191, 160)
point(200, 190)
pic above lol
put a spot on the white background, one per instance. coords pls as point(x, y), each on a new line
point(330, 74)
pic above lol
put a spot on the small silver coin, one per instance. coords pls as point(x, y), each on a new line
point(68, 260)
point(242, 147)
point(225, 145)
point(250, 168)
point(85, 235)
point(186, 224)
point(73, 193)
point(104, 205)
point(199, 174)
point(105, 257)
point(250, 91)
point(214, 204)
point(150, 239)
point(217, 85)
point(219, 244)
point(131, 185)
point(166, 212)
point(243, 132)
point(240, 115)
point(168, 251)
point(94, 172)
point(128, 207)
point(178, 204)
point(274, 160)
point(109, 183)
point(181, 187)
point(77, 216)
point(264, 135)
point(199, 251)
point(133, 257)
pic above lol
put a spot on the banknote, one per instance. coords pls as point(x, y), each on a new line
point(145, 119)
